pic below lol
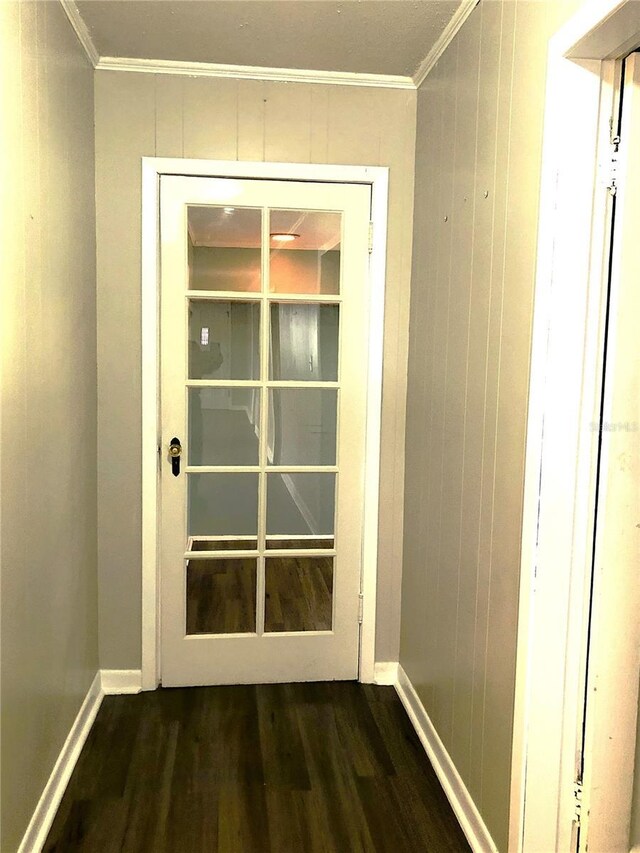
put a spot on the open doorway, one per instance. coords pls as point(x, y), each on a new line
point(553, 806)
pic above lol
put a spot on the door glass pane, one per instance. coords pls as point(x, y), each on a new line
point(304, 342)
point(221, 596)
point(224, 340)
point(222, 505)
point(300, 504)
point(298, 543)
point(224, 425)
point(302, 426)
point(305, 251)
point(298, 593)
point(211, 544)
point(224, 248)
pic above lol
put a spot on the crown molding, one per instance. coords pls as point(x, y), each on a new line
point(279, 75)
point(250, 72)
point(463, 11)
point(80, 28)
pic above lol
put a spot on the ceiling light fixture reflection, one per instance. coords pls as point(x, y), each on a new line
point(229, 210)
point(284, 238)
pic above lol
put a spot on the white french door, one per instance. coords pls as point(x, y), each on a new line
point(263, 408)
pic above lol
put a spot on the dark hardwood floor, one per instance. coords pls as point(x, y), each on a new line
point(298, 593)
point(221, 593)
point(329, 767)
point(221, 596)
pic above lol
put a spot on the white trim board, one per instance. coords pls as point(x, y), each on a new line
point(49, 802)
point(454, 788)
point(378, 178)
point(385, 672)
point(116, 682)
point(81, 30)
point(461, 14)
point(253, 72)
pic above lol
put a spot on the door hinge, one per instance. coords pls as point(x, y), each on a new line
point(610, 167)
point(370, 237)
point(360, 608)
point(577, 802)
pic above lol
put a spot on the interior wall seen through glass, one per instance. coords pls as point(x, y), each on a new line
point(300, 504)
point(222, 504)
point(224, 339)
point(302, 426)
point(305, 251)
point(224, 426)
point(224, 248)
point(304, 342)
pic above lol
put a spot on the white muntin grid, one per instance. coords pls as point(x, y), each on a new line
point(264, 298)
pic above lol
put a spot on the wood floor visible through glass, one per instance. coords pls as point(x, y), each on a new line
point(221, 596)
point(221, 592)
point(299, 594)
point(252, 544)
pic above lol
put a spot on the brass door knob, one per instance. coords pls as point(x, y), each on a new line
point(175, 449)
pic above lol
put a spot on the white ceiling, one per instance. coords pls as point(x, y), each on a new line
point(388, 37)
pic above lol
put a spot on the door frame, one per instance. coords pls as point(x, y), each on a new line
point(377, 177)
point(562, 446)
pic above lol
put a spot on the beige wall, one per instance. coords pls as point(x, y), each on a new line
point(477, 179)
point(48, 441)
point(145, 115)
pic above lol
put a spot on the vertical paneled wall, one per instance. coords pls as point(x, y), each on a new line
point(478, 149)
point(48, 441)
point(160, 115)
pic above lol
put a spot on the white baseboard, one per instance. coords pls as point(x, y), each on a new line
point(385, 672)
point(49, 802)
point(459, 797)
point(118, 681)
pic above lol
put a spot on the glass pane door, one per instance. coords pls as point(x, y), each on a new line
point(262, 307)
point(262, 409)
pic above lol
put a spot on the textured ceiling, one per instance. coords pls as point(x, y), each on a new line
point(363, 36)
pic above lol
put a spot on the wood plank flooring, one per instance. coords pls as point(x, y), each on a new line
point(287, 768)
point(298, 593)
point(221, 596)
point(221, 592)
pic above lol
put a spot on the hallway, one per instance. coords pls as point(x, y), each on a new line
point(291, 767)
point(485, 424)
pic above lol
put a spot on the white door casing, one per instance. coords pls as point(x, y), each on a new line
point(614, 659)
point(562, 443)
point(377, 178)
point(302, 656)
